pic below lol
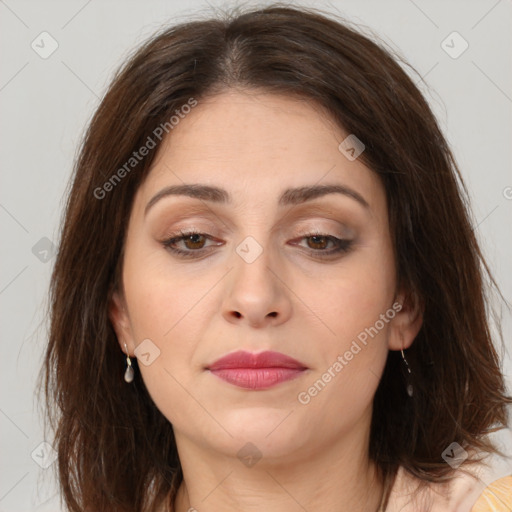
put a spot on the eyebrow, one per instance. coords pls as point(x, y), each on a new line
point(289, 197)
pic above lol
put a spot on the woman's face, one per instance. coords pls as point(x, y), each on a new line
point(274, 267)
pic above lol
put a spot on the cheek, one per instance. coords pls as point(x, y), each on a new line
point(160, 294)
point(352, 296)
point(353, 352)
point(165, 307)
point(354, 306)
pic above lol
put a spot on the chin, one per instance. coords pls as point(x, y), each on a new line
point(272, 432)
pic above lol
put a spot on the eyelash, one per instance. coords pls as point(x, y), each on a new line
point(343, 245)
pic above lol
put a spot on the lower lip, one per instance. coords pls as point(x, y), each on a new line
point(257, 378)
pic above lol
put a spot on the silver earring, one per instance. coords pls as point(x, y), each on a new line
point(408, 387)
point(129, 373)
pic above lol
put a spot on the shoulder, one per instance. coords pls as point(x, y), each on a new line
point(473, 489)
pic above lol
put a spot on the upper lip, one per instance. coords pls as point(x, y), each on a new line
point(267, 359)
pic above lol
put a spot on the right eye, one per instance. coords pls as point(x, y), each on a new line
point(193, 241)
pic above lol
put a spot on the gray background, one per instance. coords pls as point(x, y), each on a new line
point(46, 104)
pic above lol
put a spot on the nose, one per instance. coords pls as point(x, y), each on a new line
point(257, 294)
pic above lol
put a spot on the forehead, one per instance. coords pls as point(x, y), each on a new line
point(256, 145)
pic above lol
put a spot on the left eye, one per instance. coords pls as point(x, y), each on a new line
point(319, 242)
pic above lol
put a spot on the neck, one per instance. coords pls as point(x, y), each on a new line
point(339, 478)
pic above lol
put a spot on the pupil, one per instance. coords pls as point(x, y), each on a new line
point(193, 239)
point(317, 239)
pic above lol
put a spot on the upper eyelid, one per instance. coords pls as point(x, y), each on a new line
point(295, 214)
point(337, 222)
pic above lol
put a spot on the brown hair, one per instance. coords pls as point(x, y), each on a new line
point(116, 451)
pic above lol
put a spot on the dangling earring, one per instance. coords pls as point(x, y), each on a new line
point(408, 384)
point(129, 373)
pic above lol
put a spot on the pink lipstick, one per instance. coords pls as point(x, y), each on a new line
point(256, 371)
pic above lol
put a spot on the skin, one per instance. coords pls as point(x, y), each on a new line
point(315, 455)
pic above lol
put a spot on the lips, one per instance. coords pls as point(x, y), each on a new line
point(256, 371)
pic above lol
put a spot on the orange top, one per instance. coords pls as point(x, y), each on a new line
point(497, 497)
point(465, 493)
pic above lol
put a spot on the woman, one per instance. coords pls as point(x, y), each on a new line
point(266, 219)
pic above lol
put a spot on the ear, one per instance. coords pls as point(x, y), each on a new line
point(118, 315)
point(406, 324)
